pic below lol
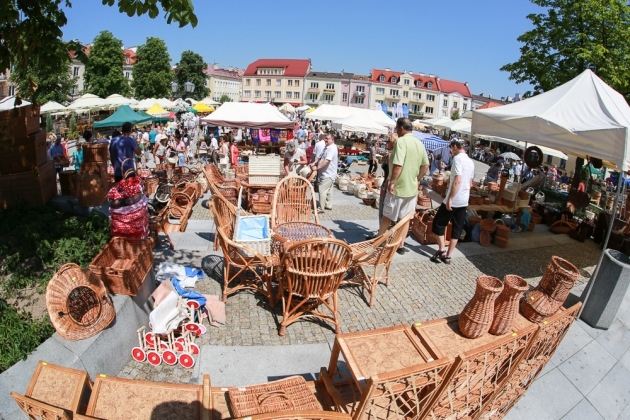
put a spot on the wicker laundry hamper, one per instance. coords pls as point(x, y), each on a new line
point(78, 304)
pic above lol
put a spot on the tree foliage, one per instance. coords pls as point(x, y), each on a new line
point(571, 36)
point(104, 67)
point(32, 37)
point(190, 69)
point(152, 74)
point(224, 98)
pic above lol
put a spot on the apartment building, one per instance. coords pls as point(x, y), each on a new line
point(418, 93)
point(224, 81)
point(454, 97)
point(322, 87)
point(130, 60)
point(275, 80)
point(359, 95)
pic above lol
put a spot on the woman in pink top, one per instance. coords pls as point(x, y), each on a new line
point(233, 153)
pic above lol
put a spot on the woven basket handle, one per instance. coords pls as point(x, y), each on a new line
point(66, 266)
point(262, 398)
point(128, 171)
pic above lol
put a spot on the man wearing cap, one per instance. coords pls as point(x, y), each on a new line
point(123, 148)
point(294, 158)
point(453, 208)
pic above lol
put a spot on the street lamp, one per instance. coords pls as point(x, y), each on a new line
point(189, 88)
point(174, 87)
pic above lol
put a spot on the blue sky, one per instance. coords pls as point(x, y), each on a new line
point(467, 41)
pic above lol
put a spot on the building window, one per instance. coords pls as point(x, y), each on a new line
point(419, 83)
point(563, 164)
point(549, 159)
point(289, 82)
point(430, 97)
point(247, 93)
point(407, 82)
point(296, 95)
point(314, 85)
point(328, 97)
point(392, 104)
point(11, 90)
point(405, 94)
point(445, 102)
point(380, 91)
point(248, 82)
point(312, 97)
point(330, 86)
point(381, 79)
point(358, 100)
point(278, 82)
point(126, 60)
point(394, 80)
point(128, 74)
point(465, 107)
point(344, 97)
point(75, 72)
point(297, 83)
point(1, 92)
point(379, 103)
point(362, 89)
point(256, 94)
point(430, 85)
point(289, 95)
point(428, 110)
point(454, 104)
point(267, 94)
point(268, 82)
point(277, 94)
point(393, 93)
point(257, 82)
point(417, 96)
point(416, 109)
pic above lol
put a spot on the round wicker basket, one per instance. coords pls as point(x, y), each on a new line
point(78, 304)
point(488, 225)
point(484, 238)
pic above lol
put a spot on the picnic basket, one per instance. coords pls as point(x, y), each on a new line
point(123, 264)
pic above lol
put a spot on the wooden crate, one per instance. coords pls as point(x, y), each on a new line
point(35, 187)
point(21, 154)
point(19, 122)
point(59, 386)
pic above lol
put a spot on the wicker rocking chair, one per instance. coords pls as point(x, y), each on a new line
point(243, 263)
point(312, 272)
point(371, 259)
point(293, 201)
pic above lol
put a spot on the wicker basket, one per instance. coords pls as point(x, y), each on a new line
point(501, 242)
point(484, 238)
point(536, 219)
point(423, 200)
point(506, 305)
point(473, 220)
point(69, 181)
point(502, 231)
point(32, 187)
point(78, 304)
point(476, 318)
point(537, 306)
point(95, 152)
point(488, 225)
point(94, 184)
point(19, 154)
point(261, 207)
point(151, 184)
point(559, 279)
point(262, 246)
point(19, 122)
point(123, 264)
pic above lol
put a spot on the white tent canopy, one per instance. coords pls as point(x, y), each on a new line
point(116, 100)
point(249, 115)
point(88, 101)
point(583, 117)
point(209, 101)
point(50, 107)
point(434, 121)
point(461, 125)
point(337, 112)
point(303, 107)
point(9, 103)
point(521, 145)
point(359, 123)
point(287, 108)
point(165, 103)
point(144, 104)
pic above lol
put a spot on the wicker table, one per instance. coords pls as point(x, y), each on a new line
point(286, 233)
point(368, 353)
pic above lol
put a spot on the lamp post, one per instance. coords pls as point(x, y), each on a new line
point(189, 87)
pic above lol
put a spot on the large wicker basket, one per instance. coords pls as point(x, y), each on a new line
point(32, 187)
point(559, 279)
point(78, 304)
point(476, 318)
point(506, 305)
point(123, 264)
point(19, 154)
point(95, 152)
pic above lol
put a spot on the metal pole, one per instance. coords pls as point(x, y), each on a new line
point(589, 285)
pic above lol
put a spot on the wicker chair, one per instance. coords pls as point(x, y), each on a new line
point(293, 201)
point(215, 176)
point(242, 262)
point(230, 193)
point(38, 410)
point(177, 212)
point(371, 259)
point(312, 271)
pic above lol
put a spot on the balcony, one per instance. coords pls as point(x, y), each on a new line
point(312, 90)
point(416, 100)
point(331, 91)
point(393, 96)
point(359, 93)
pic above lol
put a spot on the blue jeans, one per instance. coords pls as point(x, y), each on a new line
point(182, 160)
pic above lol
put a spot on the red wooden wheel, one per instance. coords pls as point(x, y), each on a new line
point(163, 346)
point(186, 360)
point(169, 357)
point(138, 354)
point(154, 358)
point(194, 348)
point(202, 329)
point(180, 340)
point(178, 346)
point(192, 327)
point(149, 338)
point(192, 304)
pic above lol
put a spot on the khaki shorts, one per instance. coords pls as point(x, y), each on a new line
point(395, 208)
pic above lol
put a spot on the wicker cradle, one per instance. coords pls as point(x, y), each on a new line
point(78, 304)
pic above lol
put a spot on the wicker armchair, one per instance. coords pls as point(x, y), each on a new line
point(243, 263)
point(38, 410)
point(371, 259)
point(293, 201)
point(224, 215)
point(312, 272)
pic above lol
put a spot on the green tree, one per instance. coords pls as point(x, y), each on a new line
point(224, 98)
point(49, 123)
point(152, 73)
point(455, 114)
point(72, 124)
point(103, 69)
point(190, 69)
point(571, 36)
point(32, 36)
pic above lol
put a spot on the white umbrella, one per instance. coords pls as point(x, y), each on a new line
point(209, 101)
point(191, 101)
point(433, 122)
point(88, 101)
point(51, 107)
point(144, 104)
point(510, 155)
point(9, 103)
point(116, 100)
point(287, 108)
point(165, 103)
point(461, 125)
point(418, 124)
point(359, 123)
point(303, 108)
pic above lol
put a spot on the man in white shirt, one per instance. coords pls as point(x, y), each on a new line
point(453, 208)
point(214, 150)
point(326, 165)
point(318, 149)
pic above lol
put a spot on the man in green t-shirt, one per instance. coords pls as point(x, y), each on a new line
point(408, 163)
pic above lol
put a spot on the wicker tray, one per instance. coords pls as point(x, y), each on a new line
point(123, 264)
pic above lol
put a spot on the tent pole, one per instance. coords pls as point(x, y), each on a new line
point(520, 180)
point(589, 285)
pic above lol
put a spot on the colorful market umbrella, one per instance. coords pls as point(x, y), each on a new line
point(203, 108)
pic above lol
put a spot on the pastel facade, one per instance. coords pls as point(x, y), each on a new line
point(327, 88)
point(224, 81)
point(275, 80)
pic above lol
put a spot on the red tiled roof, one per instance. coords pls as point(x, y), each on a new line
point(234, 73)
point(132, 56)
point(425, 80)
point(490, 104)
point(376, 74)
point(292, 67)
point(450, 86)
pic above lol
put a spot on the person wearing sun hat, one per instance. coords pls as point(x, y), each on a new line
point(77, 155)
point(294, 158)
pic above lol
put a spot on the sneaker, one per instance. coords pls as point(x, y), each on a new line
point(402, 251)
point(369, 237)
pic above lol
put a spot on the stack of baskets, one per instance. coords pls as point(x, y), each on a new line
point(94, 180)
point(487, 228)
point(552, 290)
point(438, 184)
point(26, 175)
point(424, 200)
point(501, 235)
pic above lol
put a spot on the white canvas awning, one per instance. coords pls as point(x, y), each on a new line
point(359, 123)
point(433, 122)
point(461, 125)
point(336, 112)
point(51, 107)
point(521, 145)
point(583, 117)
point(249, 115)
point(88, 101)
point(9, 103)
point(166, 103)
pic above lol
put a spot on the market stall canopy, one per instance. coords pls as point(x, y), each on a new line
point(360, 123)
point(165, 103)
point(116, 100)
point(210, 102)
point(203, 108)
point(303, 108)
point(88, 101)
point(50, 107)
point(510, 155)
point(287, 108)
point(122, 115)
point(521, 145)
point(461, 125)
point(9, 103)
point(336, 112)
point(583, 117)
point(418, 124)
point(145, 104)
point(430, 141)
point(157, 111)
point(433, 121)
point(191, 101)
point(249, 115)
